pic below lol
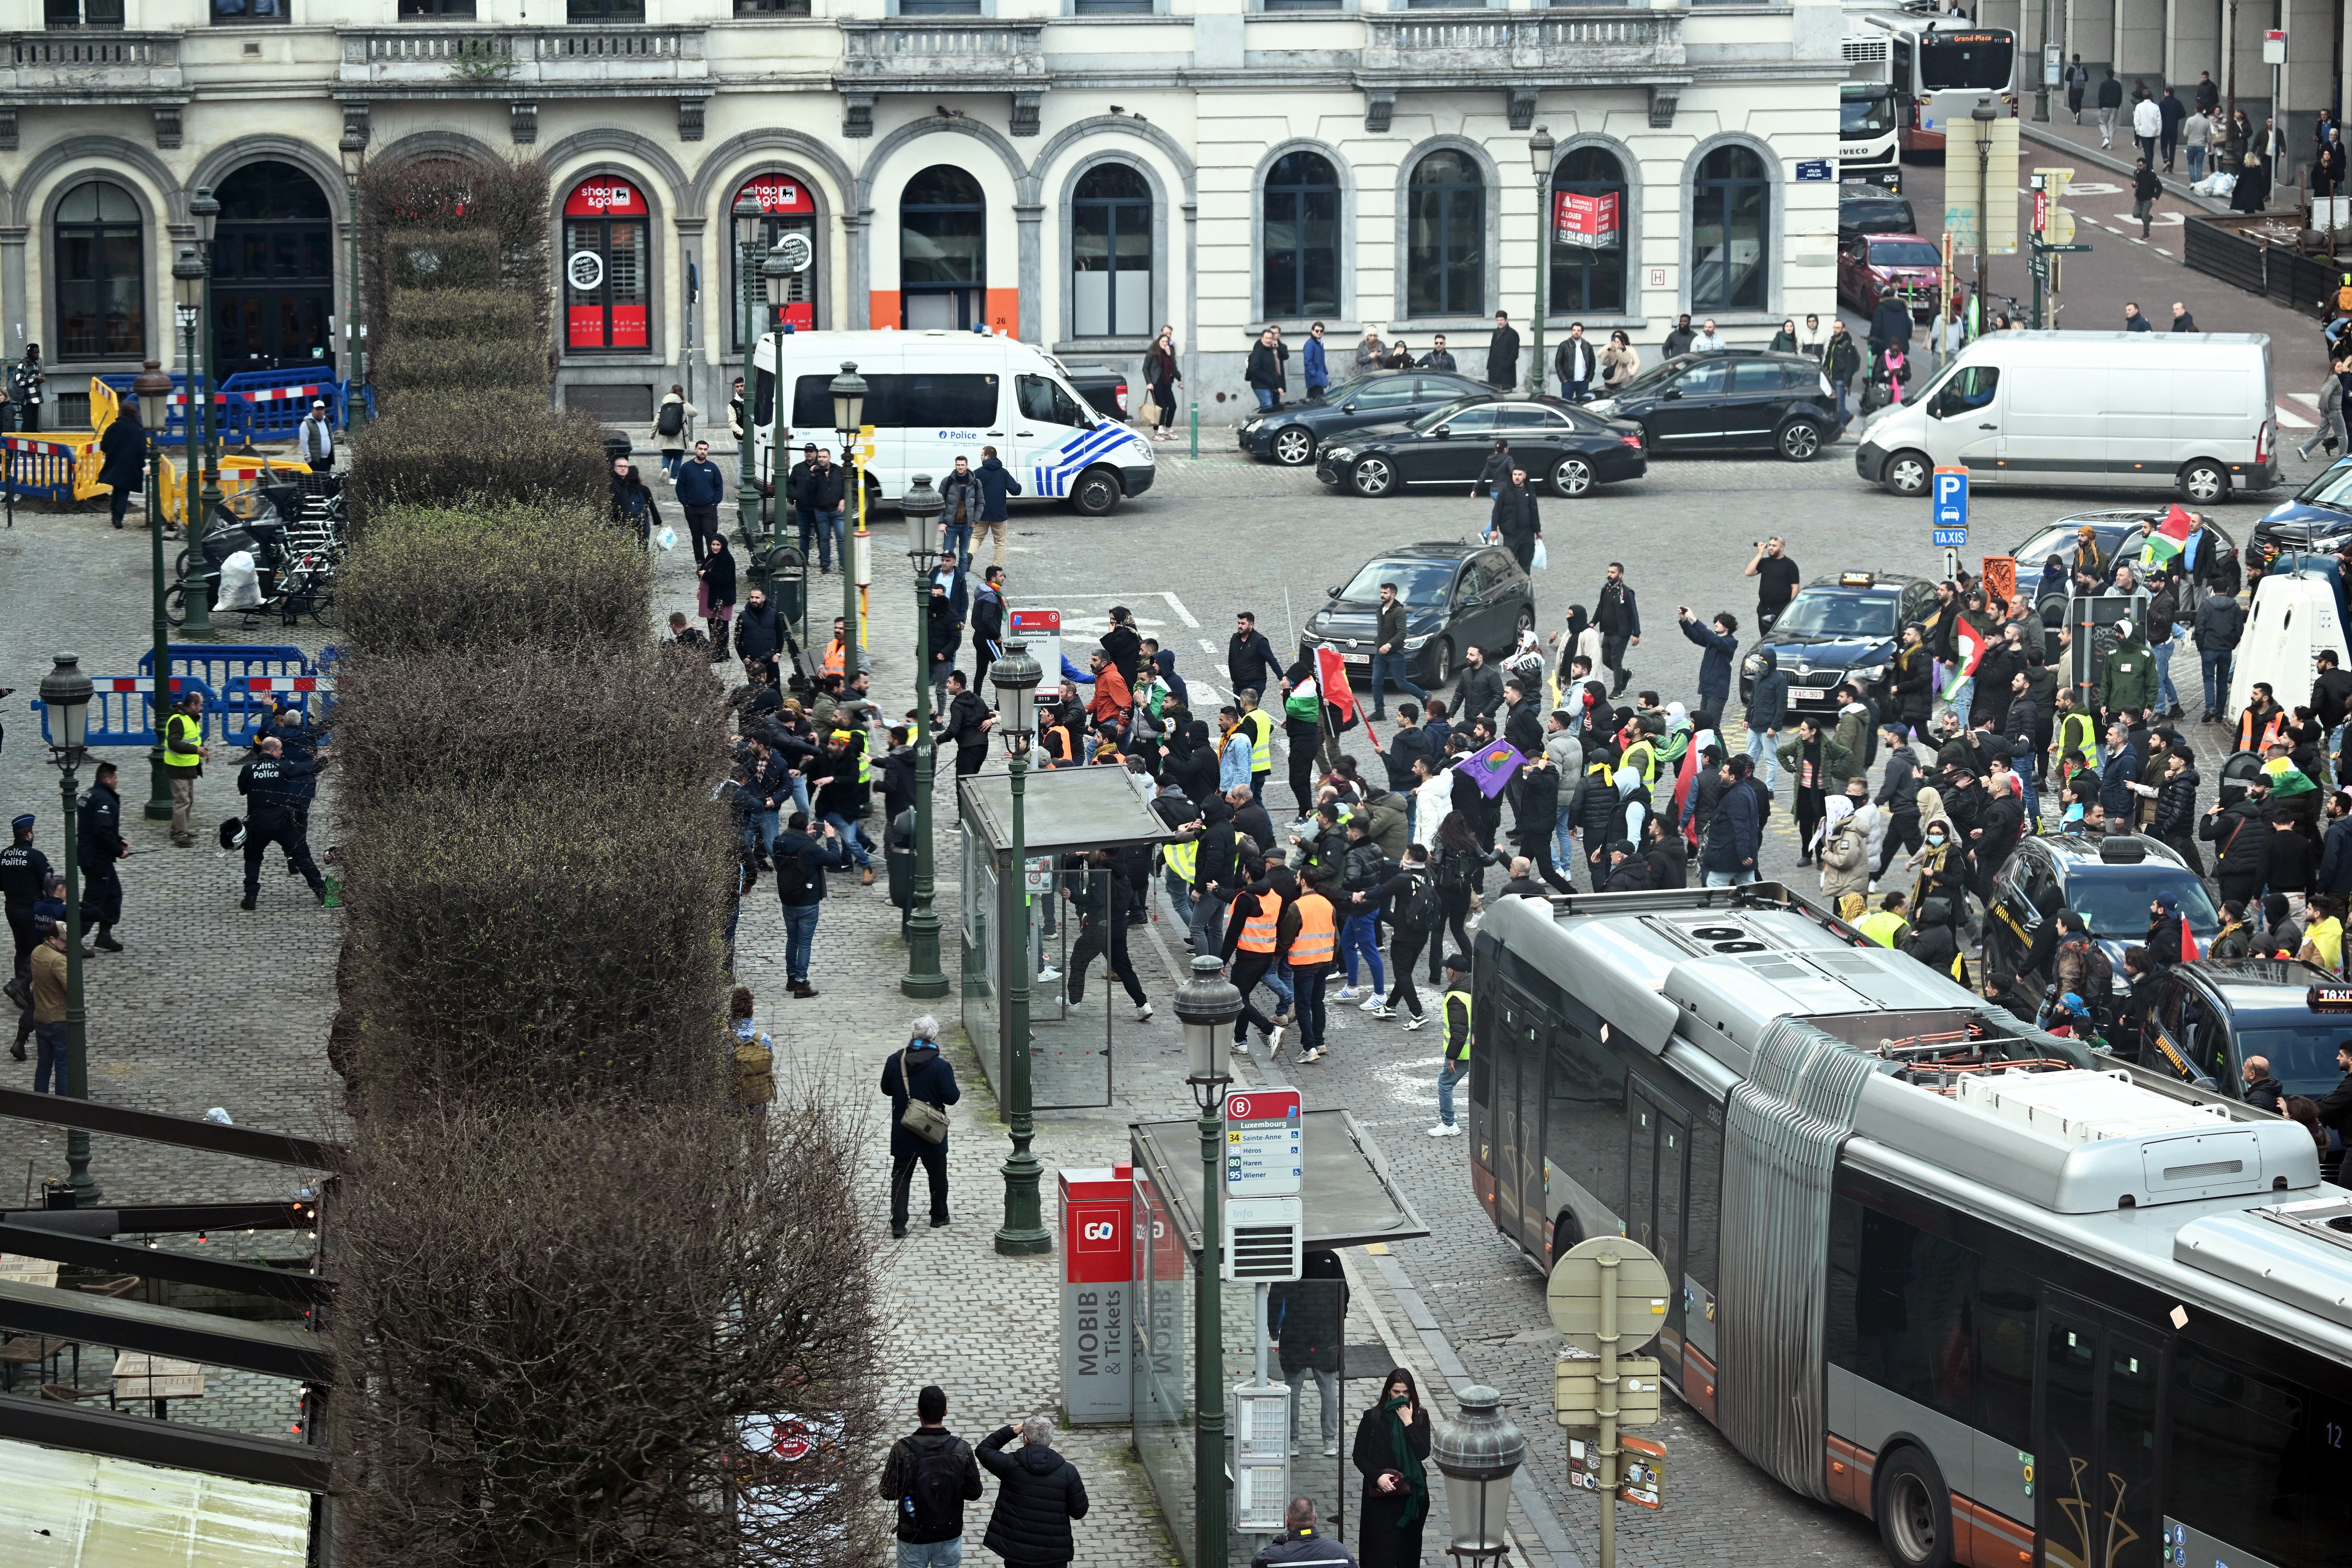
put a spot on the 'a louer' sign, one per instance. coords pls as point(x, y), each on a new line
point(1587, 220)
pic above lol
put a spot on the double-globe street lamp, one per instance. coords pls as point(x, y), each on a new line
point(1015, 678)
point(66, 694)
point(154, 390)
point(1540, 147)
point(204, 208)
point(748, 212)
point(920, 509)
point(1207, 1005)
point(848, 391)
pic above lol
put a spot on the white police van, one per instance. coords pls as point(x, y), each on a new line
point(933, 397)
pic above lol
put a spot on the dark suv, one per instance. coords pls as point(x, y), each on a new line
point(1455, 593)
point(1843, 629)
point(1732, 400)
point(2109, 882)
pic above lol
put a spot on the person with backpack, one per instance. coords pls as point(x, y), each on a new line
point(673, 422)
point(929, 1476)
point(1460, 866)
point(921, 1085)
point(1416, 912)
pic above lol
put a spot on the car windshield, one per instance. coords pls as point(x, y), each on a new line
point(2333, 488)
point(1904, 253)
point(1422, 583)
point(1811, 613)
point(2115, 901)
point(2302, 1054)
point(1865, 116)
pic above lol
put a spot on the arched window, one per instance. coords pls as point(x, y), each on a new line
point(1302, 237)
point(942, 250)
point(1588, 251)
point(607, 253)
point(1731, 212)
point(1110, 253)
point(1445, 237)
point(786, 207)
point(102, 275)
point(273, 272)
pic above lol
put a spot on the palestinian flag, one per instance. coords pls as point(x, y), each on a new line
point(2168, 539)
point(1685, 775)
point(1971, 645)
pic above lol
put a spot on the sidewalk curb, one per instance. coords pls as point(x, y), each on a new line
point(2115, 165)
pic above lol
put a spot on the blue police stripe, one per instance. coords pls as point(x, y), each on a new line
point(1054, 480)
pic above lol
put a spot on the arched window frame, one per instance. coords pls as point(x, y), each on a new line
point(104, 235)
point(1150, 210)
point(978, 283)
point(1481, 228)
point(1564, 306)
point(1266, 309)
point(1695, 201)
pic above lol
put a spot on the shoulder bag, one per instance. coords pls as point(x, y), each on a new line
point(922, 1118)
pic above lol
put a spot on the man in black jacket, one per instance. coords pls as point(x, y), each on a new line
point(2111, 99)
point(1265, 372)
point(1305, 1317)
point(1619, 619)
point(801, 858)
point(968, 723)
point(818, 499)
point(987, 625)
point(1538, 814)
point(1102, 896)
point(929, 1476)
point(1248, 655)
point(1514, 522)
point(1038, 1492)
point(759, 638)
point(1408, 741)
point(1390, 659)
point(1503, 354)
point(1478, 689)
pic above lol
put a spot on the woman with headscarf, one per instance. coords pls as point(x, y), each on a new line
point(718, 594)
point(1941, 869)
point(1841, 846)
point(1527, 662)
point(1391, 1448)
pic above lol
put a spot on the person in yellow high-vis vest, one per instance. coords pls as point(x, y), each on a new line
point(1455, 1066)
point(184, 762)
point(1312, 928)
point(1258, 725)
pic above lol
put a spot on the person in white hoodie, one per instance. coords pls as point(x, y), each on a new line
point(1433, 798)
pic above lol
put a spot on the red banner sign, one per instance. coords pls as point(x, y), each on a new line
point(604, 196)
point(777, 193)
point(1591, 221)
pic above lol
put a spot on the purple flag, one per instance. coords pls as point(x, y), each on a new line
point(1491, 769)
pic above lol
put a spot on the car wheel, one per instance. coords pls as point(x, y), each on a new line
point(2204, 482)
point(1909, 473)
point(1572, 476)
point(1525, 623)
point(1441, 671)
point(1649, 443)
point(1799, 440)
point(1294, 447)
point(1097, 492)
point(1914, 1511)
point(1373, 477)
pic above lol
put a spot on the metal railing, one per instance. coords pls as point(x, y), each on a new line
point(1588, 41)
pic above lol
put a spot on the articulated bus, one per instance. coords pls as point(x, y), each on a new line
point(1926, 55)
point(2017, 1301)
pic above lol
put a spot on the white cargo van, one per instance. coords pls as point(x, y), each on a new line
point(933, 397)
point(2189, 412)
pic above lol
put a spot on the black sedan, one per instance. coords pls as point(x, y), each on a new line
point(1866, 209)
point(1456, 593)
point(1562, 445)
point(1730, 400)
point(1292, 434)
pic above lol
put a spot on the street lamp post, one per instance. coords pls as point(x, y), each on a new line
point(1207, 1005)
point(1478, 1454)
point(920, 507)
point(1540, 147)
point(353, 148)
point(776, 278)
point(848, 418)
point(65, 693)
point(154, 390)
point(1015, 676)
point(747, 257)
point(204, 208)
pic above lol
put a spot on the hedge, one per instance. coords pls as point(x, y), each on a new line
point(465, 314)
point(412, 364)
point(476, 447)
point(436, 260)
point(492, 575)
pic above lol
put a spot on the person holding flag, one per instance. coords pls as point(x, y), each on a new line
point(2169, 541)
point(2169, 941)
point(1972, 635)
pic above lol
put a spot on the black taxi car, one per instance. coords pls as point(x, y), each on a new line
point(1837, 629)
point(1564, 446)
point(2208, 1017)
point(2110, 882)
point(1456, 592)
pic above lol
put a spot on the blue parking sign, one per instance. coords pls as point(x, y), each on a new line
point(1951, 499)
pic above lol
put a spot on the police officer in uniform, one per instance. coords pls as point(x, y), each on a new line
point(97, 846)
point(24, 872)
point(301, 739)
point(274, 783)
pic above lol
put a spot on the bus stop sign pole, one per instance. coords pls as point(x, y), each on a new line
point(1607, 1293)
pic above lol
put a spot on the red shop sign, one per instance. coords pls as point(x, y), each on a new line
point(1586, 220)
point(777, 193)
point(604, 196)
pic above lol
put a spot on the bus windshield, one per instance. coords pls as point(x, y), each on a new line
point(1978, 62)
point(1859, 116)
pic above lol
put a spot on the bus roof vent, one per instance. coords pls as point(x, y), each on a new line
point(2298, 1254)
point(2080, 1107)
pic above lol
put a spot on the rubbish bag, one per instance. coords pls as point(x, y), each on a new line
point(667, 538)
point(1538, 562)
point(240, 586)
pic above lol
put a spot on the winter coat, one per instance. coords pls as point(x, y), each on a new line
point(2175, 805)
point(1854, 732)
point(2220, 622)
point(1038, 1492)
point(818, 489)
point(758, 631)
point(1305, 1317)
point(1318, 368)
point(932, 1078)
point(1768, 697)
point(2335, 860)
point(2127, 675)
point(1502, 357)
point(1898, 791)
point(1514, 516)
point(2240, 855)
point(1265, 367)
point(1733, 833)
point(1716, 662)
point(1619, 364)
point(1539, 803)
point(996, 482)
point(1404, 746)
point(1836, 762)
point(1669, 862)
point(123, 451)
point(961, 494)
point(1845, 861)
point(718, 578)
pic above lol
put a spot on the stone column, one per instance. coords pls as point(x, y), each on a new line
point(2139, 43)
point(1029, 324)
point(2193, 43)
point(18, 323)
point(857, 232)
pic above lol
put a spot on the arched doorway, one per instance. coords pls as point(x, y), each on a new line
point(942, 250)
point(273, 272)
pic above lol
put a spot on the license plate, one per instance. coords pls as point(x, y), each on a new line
point(1356, 657)
point(1808, 693)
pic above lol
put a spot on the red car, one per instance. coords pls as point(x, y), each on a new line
point(1871, 266)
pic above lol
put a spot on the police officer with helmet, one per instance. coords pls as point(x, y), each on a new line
point(24, 872)
point(278, 786)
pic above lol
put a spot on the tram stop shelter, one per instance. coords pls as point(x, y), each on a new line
point(1349, 1199)
point(1065, 813)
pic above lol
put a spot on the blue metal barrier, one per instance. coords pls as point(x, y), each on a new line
point(225, 667)
point(274, 402)
point(246, 701)
point(175, 422)
point(41, 468)
point(121, 708)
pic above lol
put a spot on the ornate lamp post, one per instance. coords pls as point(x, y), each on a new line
point(66, 692)
point(748, 212)
point(1207, 1005)
point(1015, 678)
point(848, 417)
point(205, 208)
point(153, 390)
point(353, 150)
point(1539, 152)
point(776, 279)
point(1478, 1454)
point(920, 507)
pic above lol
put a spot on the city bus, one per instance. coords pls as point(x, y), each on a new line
point(2014, 1300)
point(1925, 56)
